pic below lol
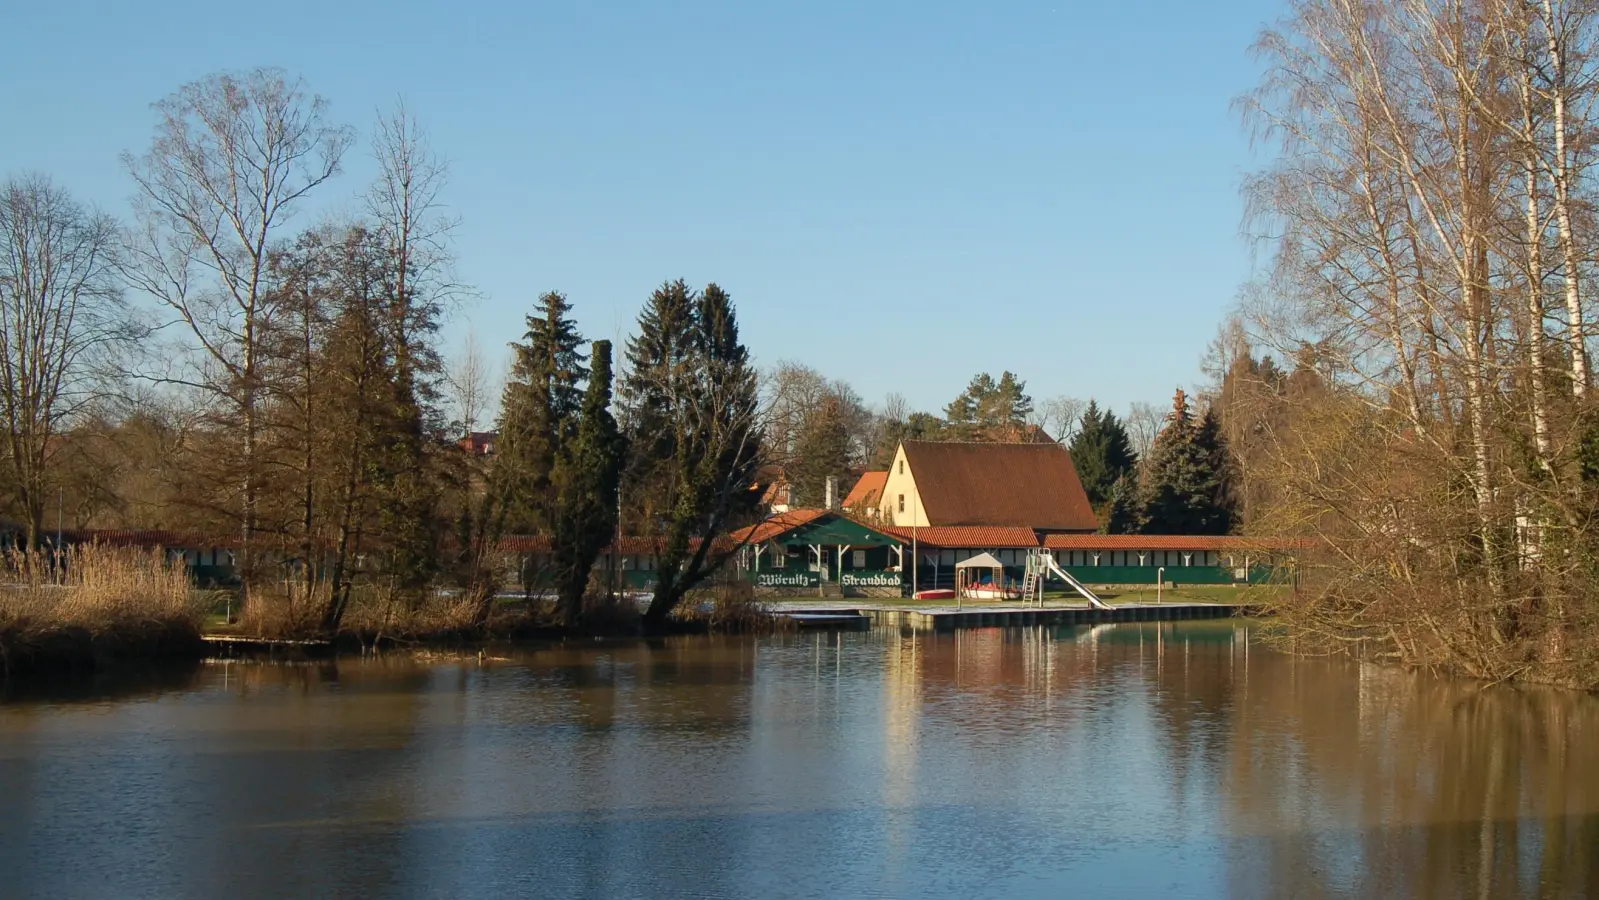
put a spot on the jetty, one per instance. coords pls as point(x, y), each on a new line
point(234, 644)
point(980, 615)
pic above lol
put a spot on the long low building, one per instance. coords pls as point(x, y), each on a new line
point(807, 549)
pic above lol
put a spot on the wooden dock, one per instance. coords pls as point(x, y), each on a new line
point(947, 618)
point(234, 644)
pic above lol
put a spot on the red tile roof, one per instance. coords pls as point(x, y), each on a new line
point(776, 525)
point(1158, 542)
point(129, 537)
point(958, 537)
point(1015, 485)
point(866, 492)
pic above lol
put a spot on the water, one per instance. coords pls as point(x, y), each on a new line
point(1124, 761)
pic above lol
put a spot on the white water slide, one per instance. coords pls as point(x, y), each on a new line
point(1078, 586)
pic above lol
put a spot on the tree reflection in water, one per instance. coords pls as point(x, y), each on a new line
point(1133, 760)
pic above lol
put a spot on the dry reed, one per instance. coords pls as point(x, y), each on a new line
point(101, 605)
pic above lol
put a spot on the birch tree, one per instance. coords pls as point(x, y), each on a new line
point(232, 159)
point(1431, 435)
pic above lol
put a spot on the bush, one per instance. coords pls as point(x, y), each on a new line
point(730, 607)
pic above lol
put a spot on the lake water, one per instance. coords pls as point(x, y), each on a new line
point(1121, 761)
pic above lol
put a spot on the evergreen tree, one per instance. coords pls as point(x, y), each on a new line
point(1102, 453)
point(1123, 515)
point(918, 426)
point(689, 404)
point(963, 413)
point(990, 411)
point(587, 477)
point(654, 383)
point(823, 450)
point(1212, 444)
point(1008, 407)
point(538, 411)
point(1182, 486)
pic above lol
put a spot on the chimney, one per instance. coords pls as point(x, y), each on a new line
point(832, 491)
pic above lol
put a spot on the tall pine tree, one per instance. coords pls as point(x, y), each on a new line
point(587, 475)
point(990, 411)
point(538, 412)
point(1102, 453)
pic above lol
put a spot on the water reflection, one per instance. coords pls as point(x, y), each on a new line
point(1134, 760)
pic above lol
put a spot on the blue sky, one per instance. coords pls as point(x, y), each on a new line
point(900, 194)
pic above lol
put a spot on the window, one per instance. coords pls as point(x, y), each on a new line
point(902, 467)
point(901, 502)
point(860, 560)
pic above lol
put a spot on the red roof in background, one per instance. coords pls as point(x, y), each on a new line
point(867, 490)
point(776, 525)
point(131, 537)
point(1146, 542)
point(1010, 485)
point(1165, 542)
point(957, 537)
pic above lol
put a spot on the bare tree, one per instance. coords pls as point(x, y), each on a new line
point(405, 203)
point(1059, 416)
point(896, 409)
point(1143, 424)
point(793, 393)
point(232, 158)
point(468, 385)
point(61, 314)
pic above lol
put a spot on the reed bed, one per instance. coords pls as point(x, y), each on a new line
point(100, 605)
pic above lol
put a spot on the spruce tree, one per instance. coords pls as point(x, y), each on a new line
point(1123, 514)
point(654, 382)
point(1182, 486)
point(689, 404)
point(587, 475)
point(538, 411)
point(1102, 453)
point(1212, 444)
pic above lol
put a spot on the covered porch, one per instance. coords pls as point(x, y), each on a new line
point(827, 549)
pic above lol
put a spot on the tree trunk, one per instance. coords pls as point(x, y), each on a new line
point(1563, 177)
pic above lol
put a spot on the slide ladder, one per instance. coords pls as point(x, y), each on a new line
point(1048, 564)
point(1033, 581)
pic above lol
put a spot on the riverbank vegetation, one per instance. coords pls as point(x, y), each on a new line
point(101, 606)
point(1411, 386)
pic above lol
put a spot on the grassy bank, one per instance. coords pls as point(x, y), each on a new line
point(109, 605)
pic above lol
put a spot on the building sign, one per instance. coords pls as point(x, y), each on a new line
point(787, 579)
point(871, 579)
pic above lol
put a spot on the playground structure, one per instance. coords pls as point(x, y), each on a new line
point(1041, 565)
